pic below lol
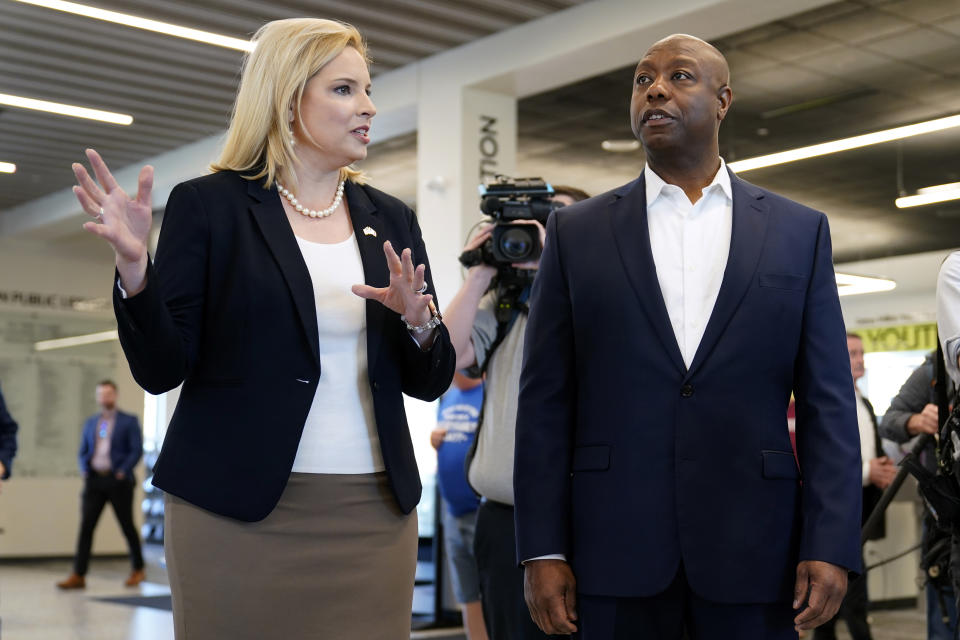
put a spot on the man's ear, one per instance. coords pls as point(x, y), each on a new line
point(724, 100)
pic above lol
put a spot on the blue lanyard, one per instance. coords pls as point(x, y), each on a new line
point(103, 429)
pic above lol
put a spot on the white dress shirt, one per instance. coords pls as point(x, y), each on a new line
point(690, 244)
point(868, 442)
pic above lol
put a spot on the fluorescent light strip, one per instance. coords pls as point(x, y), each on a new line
point(7, 167)
point(144, 23)
point(845, 144)
point(620, 146)
point(927, 198)
point(65, 109)
point(938, 188)
point(76, 341)
point(851, 285)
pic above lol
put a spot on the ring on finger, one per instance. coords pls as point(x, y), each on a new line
point(99, 215)
point(422, 289)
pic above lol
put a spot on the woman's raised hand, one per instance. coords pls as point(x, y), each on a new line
point(403, 295)
point(122, 221)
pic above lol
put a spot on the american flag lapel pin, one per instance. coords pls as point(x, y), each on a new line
point(369, 231)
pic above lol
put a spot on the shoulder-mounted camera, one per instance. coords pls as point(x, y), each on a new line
point(509, 201)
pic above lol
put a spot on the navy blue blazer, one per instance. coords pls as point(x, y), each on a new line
point(126, 443)
point(630, 463)
point(229, 310)
point(8, 439)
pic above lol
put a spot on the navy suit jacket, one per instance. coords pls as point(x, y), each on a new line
point(229, 310)
point(630, 463)
point(126, 443)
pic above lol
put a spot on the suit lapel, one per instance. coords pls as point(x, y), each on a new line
point(631, 235)
point(370, 235)
point(272, 220)
point(746, 245)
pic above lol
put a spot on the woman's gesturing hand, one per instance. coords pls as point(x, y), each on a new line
point(122, 221)
point(403, 295)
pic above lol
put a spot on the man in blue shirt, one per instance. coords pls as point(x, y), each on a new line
point(456, 427)
point(110, 447)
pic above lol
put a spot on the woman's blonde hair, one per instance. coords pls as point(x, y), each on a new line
point(287, 54)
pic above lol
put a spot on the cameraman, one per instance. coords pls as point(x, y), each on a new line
point(494, 345)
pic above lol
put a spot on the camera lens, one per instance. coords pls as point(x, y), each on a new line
point(516, 245)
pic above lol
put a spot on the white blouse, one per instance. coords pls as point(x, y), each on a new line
point(340, 434)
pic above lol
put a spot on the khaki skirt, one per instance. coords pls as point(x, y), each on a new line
point(335, 560)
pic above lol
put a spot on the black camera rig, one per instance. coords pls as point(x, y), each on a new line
point(509, 202)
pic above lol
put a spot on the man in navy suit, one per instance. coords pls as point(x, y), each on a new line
point(110, 447)
point(656, 491)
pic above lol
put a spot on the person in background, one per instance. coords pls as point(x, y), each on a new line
point(110, 447)
point(279, 301)
point(878, 472)
point(456, 427)
point(566, 195)
point(8, 441)
point(948, 334)
point(948, 314)
point(487, 342)
point(913, 412)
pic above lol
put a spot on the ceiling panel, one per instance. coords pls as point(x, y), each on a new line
point(860, 25)
point(926, 11)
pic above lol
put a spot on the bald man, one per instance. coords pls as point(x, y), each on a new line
point(657, 495)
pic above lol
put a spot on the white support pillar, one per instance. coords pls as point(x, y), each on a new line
point(464, 135)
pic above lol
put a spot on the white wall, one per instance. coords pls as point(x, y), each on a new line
point(39, 516)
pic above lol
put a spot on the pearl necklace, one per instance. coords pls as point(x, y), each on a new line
point(292, 199)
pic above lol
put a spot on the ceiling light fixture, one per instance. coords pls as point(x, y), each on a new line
point(65, 109)
point(76, 341)
point(620, 146)
point(938, 188)
point(930, 195)
point(144, 23)
point(851, 285)
point(845, 144)
point(8, 167)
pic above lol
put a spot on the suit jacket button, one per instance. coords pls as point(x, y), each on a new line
point(686, 391)
point(376, 386)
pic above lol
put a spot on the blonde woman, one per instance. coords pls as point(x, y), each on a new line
point(278, 299)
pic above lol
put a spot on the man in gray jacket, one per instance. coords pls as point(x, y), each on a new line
point(913, 411)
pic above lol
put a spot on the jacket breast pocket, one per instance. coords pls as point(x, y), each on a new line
point(780, 464)
point(591, 458)
point(784, 281)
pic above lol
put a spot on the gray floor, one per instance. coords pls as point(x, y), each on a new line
point(32, 608)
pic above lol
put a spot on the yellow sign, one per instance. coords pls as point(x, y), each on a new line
point(908, 337)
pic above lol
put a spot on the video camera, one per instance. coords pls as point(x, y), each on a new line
point(507, 201)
